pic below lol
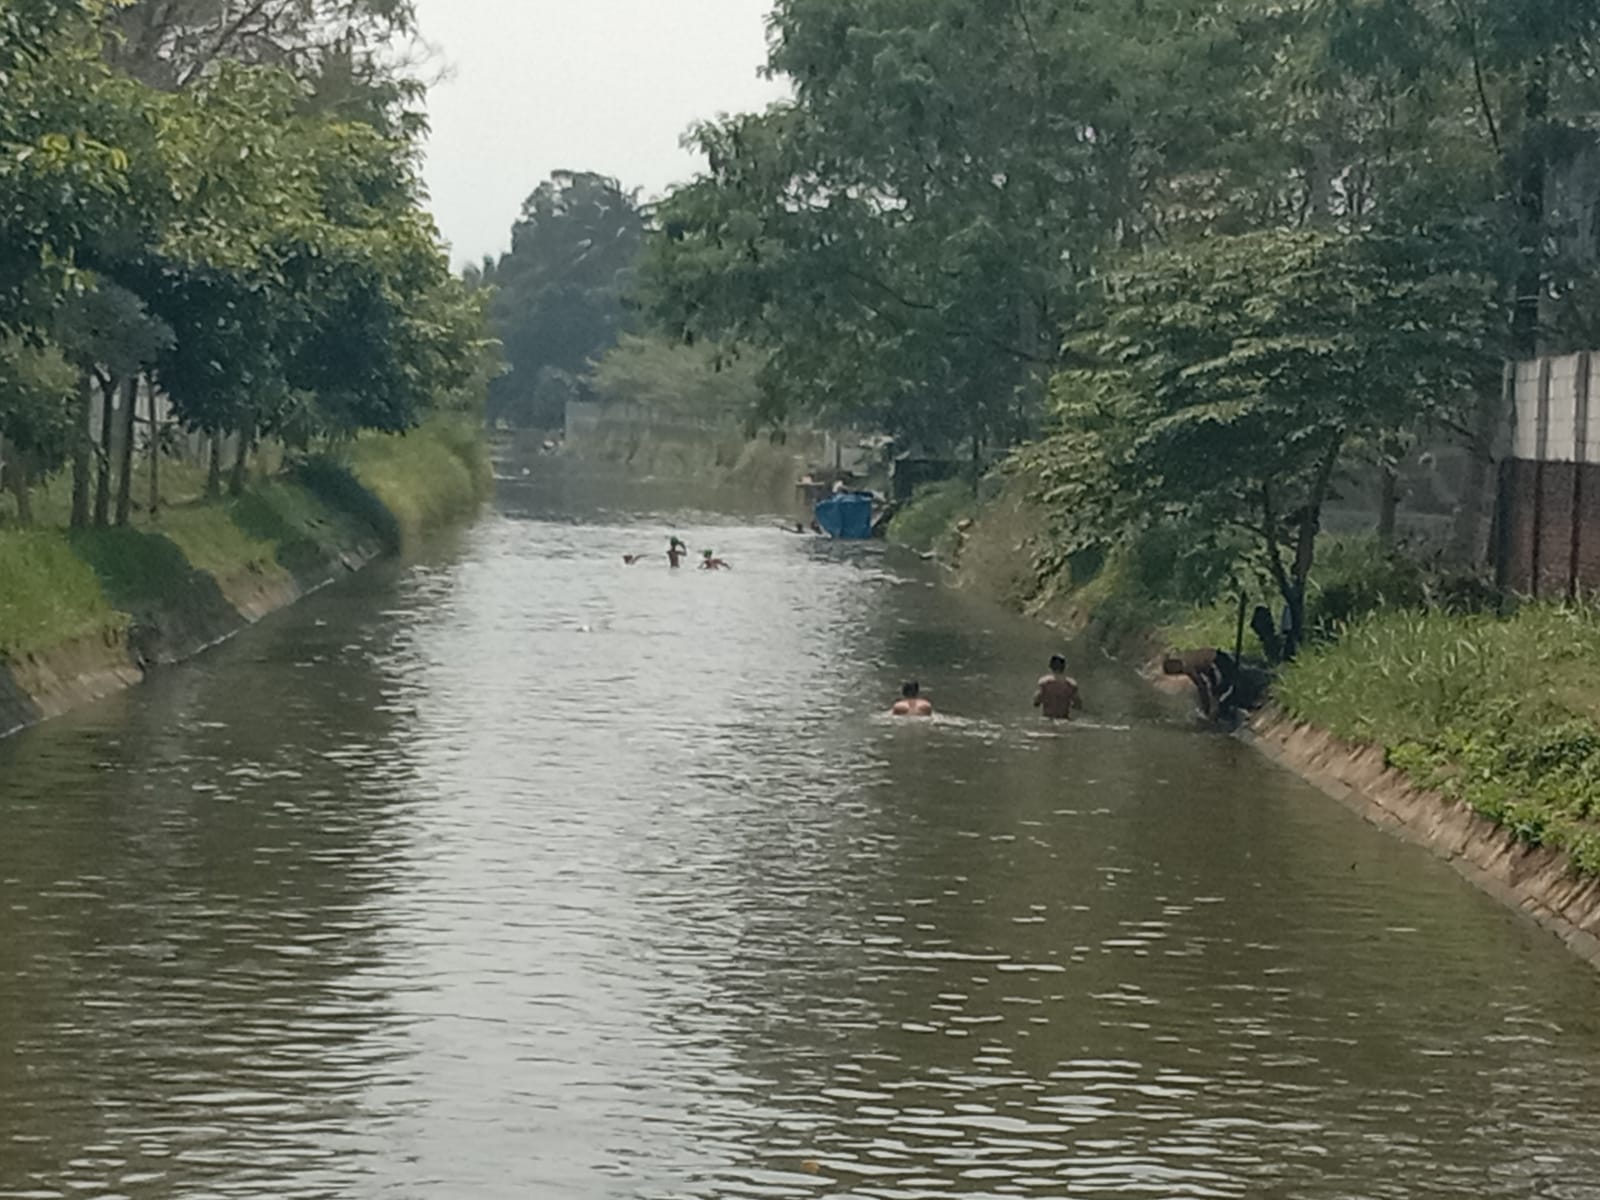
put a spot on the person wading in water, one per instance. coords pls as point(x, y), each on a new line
point(1058, 694)
point(911, 703)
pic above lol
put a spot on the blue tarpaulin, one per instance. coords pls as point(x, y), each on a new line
point(847, 515)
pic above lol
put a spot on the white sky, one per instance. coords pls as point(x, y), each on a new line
point(536, 86)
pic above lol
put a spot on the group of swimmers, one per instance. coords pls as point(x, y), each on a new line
point(677, 551)
point(1057, 696)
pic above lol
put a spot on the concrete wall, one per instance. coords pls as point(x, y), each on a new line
point(1549, 511)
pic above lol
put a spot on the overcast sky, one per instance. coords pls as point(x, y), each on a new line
point(536, 86)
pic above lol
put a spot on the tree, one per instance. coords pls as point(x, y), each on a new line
point(36, 388)
point(906, 239)
point(346, 51)
point(1224, 384)
point(110, 336)
point(702, 384)
point(558, 298)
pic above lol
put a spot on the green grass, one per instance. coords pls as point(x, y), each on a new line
point(49, 594)
point(1211, 625)
point(1501, 713)
point(711, 457)
point(56, 586)
point(928, 521)
point(424, 479)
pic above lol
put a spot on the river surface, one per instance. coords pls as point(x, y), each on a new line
point(514, 872)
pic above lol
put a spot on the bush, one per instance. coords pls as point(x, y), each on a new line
point(928, 521)
point(1357, 576)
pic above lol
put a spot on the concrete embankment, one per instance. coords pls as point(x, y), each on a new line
point(83, 615)
point(1538, 881)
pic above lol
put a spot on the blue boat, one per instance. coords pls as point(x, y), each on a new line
point(846, 515)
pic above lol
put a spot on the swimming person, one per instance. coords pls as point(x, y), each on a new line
point(710, 562)
point(911, 703)
point(676, 552)
point(1058, 693)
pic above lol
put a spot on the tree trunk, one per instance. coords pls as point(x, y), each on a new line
point(82, 452)
point(1319, 184)
point(155, 456)
point(214, 470)
point(1388, 505)
point(1475, 507)
point(1530, 170)
point(241, 462)
point(20, 488)
point(102, 490)
point(130, 414)
point(1305, 552)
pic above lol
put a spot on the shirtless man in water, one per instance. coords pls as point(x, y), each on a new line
point(911, 703)
point(1058, 694)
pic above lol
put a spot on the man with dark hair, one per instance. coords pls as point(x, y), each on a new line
point(1058, 694)
point(911, 703)
point(1215, 676)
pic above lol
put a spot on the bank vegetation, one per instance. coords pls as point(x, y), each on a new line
point(1201, 288)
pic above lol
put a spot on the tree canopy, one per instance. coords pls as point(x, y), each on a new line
point(967, 199)
point(181, 199)
point(559, 295)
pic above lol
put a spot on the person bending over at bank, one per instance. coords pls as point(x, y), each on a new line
point(710, 562)
point(1058, 696)
point(1214, 675)
point(911, 703)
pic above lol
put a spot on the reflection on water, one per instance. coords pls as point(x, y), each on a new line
point(518, 872)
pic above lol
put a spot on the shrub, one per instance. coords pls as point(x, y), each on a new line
point(932, 514)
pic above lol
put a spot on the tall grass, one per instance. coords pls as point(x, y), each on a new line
point(928, 520)
point(1503, 714)
point(426, 478)
point(48, 594)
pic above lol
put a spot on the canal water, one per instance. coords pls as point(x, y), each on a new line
point(515, 872)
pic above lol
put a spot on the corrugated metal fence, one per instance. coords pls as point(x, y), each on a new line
point(1548, 516)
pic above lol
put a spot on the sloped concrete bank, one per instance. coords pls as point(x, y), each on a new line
point(149, 598)
point(1539, 882)
point(196, 612)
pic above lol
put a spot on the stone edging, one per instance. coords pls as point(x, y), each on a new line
point(1539, 882)
point(47, 684)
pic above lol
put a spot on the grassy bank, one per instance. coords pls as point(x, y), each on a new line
point(60, 586)
point(1500, 713)
point(728, 459)
point(996, 542)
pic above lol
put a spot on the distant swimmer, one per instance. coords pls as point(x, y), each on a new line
point(676, 552)
point(629, 560)
point(710, 562)
point(911, 703)
point(1058, 693)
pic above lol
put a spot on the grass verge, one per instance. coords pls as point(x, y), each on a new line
point(58, 586)
point(1500, 713)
